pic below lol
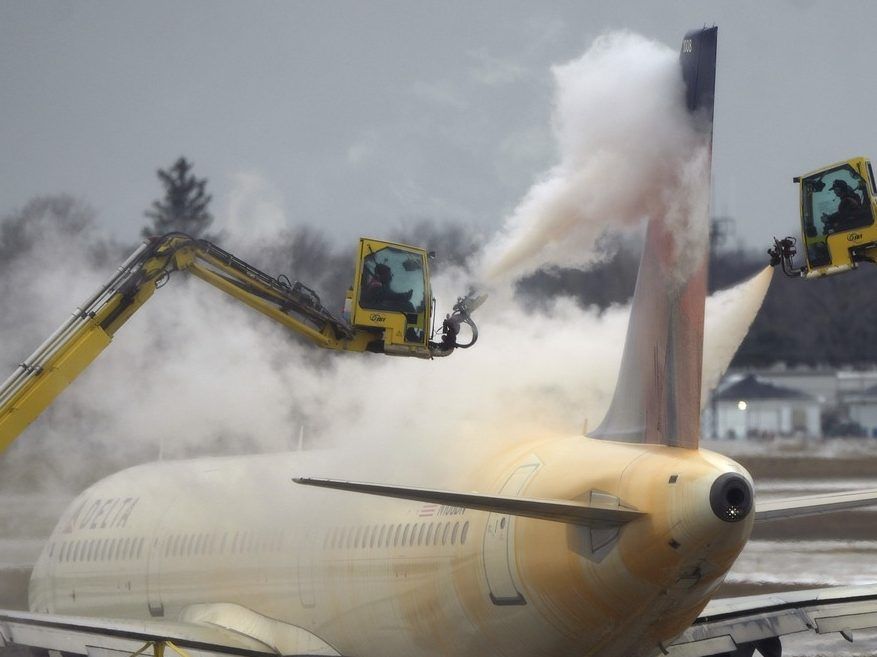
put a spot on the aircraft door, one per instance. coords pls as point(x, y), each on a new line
point(499, 544)
point(153, 573)
point(305, 560)
point(154, 548)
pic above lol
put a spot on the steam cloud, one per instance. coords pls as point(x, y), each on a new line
point(195, 372)
point(627, 151)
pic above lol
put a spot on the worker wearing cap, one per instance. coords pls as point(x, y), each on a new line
point(849, 210)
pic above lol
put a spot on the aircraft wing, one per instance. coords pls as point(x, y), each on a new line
point(813, 504)
point(759, 621)
point(595, 515)
point(106, 637)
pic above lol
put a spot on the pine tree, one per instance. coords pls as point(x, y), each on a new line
point(184, 206)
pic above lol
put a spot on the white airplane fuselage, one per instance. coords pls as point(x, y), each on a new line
point(373, 576)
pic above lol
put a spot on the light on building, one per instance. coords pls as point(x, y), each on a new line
point(741, 405)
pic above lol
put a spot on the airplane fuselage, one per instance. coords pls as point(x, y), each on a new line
point(372, 576)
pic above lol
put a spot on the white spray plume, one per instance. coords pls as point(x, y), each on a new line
point(627, 151)
point(729, 314)
point(195, 369)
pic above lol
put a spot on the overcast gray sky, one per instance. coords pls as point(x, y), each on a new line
point(356, 116)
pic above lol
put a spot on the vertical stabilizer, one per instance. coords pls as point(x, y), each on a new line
point(657, 398)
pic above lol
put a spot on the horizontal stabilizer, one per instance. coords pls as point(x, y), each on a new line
point(813, 504)
point(568, 511)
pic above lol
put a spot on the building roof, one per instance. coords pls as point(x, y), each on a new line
point(749, 388)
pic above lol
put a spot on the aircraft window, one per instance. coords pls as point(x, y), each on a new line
point(101, 551)
point(445, 533)
point(117, 548)
point(356, 537)
point(465, 533)
point(405, 534)
point(139, 547)
point(222, 543)
point(63, 552)
point(89, 555)
point(373, 532)
point(396, 535)
point(199, 544)
point(168, 542)
point(234, 543)
point(51, 549)
point(454, 533)
point(430, 533)
point(381, 535)
point(421, 533)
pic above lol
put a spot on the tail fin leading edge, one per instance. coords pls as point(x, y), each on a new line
point(657, 398)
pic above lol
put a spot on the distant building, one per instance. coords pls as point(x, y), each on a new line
point(862, 409)
point(751, 407)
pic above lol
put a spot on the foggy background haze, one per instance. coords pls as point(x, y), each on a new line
point(356, 116)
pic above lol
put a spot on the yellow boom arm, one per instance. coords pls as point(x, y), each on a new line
point(38, 380)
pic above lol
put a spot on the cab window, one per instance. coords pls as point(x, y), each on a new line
point(393, 279)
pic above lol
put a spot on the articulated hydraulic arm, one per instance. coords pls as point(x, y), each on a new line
point(388, 325)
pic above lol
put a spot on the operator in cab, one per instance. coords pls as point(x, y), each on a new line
point(849, 212)
point(379, 292)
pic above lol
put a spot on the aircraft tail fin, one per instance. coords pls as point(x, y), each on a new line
point(657, 397)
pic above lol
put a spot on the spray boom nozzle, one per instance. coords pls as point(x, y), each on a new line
point(451, 324)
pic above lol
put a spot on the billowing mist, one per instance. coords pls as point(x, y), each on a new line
point(197, 373)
